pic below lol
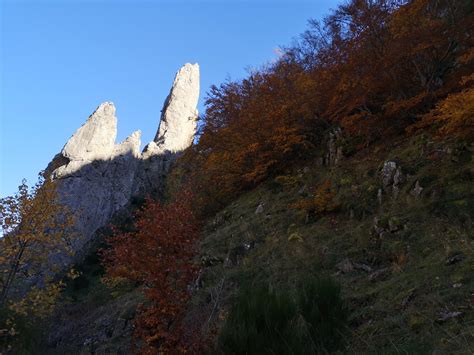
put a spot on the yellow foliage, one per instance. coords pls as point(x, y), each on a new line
point(38, 302)
point(295, 237)
point(35, 231)
point(455, 115)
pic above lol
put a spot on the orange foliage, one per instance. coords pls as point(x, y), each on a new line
point(371, 67)
point(159, 253)
point(253, 128)
point(323, 200)
point(453, 115)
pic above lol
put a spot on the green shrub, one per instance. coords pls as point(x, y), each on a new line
point(18, 334)
point(262, 321)
point(325, 314)
point(258, 323)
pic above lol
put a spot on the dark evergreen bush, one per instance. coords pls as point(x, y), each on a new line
point(310, 320)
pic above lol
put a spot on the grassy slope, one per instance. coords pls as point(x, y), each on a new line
point(395, 310)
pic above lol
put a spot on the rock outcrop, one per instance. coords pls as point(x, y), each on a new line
point(97, 177)
point(178, 122)
point(392, 178)
point(334, 154)
point(176, 131)
point(93, 141)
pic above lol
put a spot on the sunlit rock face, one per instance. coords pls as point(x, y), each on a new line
point(179, 115)
point(175, 133)
point(97, 177)
point(93, 141)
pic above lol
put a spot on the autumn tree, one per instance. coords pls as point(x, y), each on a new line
point(381, 64)
point(372, 68)
point(453, 116)
point(252, 129)
point(35, 233)
point(159, 254)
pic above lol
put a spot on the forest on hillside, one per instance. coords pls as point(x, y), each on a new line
point(373, 68)
point(371, 73)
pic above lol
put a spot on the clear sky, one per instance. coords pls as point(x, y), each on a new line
point(61, 59)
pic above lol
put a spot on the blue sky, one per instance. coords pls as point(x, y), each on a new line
point(61, 59)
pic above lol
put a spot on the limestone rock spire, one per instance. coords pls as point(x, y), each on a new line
point(95, 139)
point(178, 122)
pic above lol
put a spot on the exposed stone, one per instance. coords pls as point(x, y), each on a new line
point(176, 131)
point(398, 178)
point(96, 177)
point(178, 122)
point(446, 315)
point(93, 141)
point(379, 196)
point(417, 189)
point(259, 208)
point(122, 170)
point(96, 138)
point(388, 172)
point(334, 155)
point(95, 189)
point(379, 231)
point(392, 178)
point(379, 275)
point(345, 266)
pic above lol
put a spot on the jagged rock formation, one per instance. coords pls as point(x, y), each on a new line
point(93, 141)
point(178, 125)
point(392, 177)
point(334, 154)
point(96, 177)
point(179, 115)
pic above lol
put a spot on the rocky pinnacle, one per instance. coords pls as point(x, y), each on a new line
point(179, 115)
point(97, 177)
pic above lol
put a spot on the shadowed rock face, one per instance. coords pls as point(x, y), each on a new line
point(96, 177)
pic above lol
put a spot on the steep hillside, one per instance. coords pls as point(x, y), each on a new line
point(399, 244)
point(404, 259)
